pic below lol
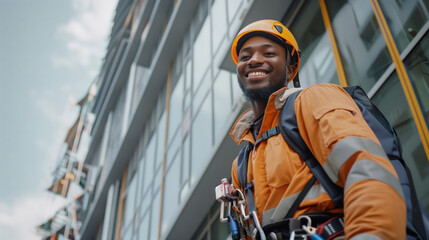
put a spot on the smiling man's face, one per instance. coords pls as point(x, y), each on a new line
point(261, 68)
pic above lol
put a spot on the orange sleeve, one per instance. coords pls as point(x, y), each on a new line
point(332, 126)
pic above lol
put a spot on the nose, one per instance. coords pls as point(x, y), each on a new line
point(255, 60)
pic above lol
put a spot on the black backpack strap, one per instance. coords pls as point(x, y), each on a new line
point(267, 134)
point(300, 197)
point(242, 163)
point(289, 129)
point(242, 159)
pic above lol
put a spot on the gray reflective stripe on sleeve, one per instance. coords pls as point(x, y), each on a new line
point(365, 236)
point(279, 212)
point(366, 169)
point(344, 149)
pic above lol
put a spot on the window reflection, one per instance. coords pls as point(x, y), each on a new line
point(202, 91)
point(201, 53)
point(404, 20)
point(130, 201)
point(201, 139)
point(361, 45)
point(417, 65)
point(390, 99)
point(150, 158)
point(186, 160)
point(145, 202)
point(232, 9)
point(144, 227)
point(176, 104)
point(171, 195)
point(222, 103)
point(317, 61)
point(160, 139)
point(154, 222)
point(219, 22)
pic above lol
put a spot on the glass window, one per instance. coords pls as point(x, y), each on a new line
point(186, 159)
point(222, 104)
point(142, 176)
point(150, 158)
point(219, 22)
point(155, 216)
point(202, 91)
point(201, 139)
point(317, 59)
point(158, 178)
point(160, 140)
point(237, 93)
point(126, 235)
point(144, 227)
point(174, 147)
point(390, 99)
point(202, 56)
point(130, 199)
point(188, 79)
point(219, 230)
point(171, 195)
point(145, 201)
point(212, 226)
point(362, 47)
point(405, 19)
point(417, 65)
point(232, 9)
point(176, 108)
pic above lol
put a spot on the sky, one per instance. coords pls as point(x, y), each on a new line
point(50, 53)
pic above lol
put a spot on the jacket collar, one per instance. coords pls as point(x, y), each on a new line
point(240, 130)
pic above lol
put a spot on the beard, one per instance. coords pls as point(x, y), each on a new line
point(262, 94)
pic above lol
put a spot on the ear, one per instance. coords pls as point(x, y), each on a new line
point(290, 70)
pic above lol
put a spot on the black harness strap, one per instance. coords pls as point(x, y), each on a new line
point(300, 197)
point(267, 134)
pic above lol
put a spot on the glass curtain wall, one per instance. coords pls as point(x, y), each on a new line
point(142, 199)
point(366, 61)
point(317, 60)
point(211, 228)
point(202, 98)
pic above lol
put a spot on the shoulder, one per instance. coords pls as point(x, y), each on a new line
point(326, 90)
point(321, 98)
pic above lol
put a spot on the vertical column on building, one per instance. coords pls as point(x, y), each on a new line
point(167, 109)
point(334, 46)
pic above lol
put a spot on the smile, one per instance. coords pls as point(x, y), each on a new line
point(253, 74)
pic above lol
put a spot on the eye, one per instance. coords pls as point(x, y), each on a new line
point(269, 54)
point(244, 58)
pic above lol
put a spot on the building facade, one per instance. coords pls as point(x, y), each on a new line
point(167, 97)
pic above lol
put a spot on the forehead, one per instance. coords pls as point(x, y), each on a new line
point(259, 42)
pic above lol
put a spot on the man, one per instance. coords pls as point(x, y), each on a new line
point(330, 123)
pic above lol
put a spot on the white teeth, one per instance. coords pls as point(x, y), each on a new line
point(252, 74)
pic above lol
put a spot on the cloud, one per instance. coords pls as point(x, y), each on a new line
point(86, 34)
point(19, 219)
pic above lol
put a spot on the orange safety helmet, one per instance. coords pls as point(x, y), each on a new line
point(272, 29)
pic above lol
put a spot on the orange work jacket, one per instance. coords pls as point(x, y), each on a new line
point(333, 128)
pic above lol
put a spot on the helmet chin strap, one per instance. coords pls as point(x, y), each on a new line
point(296, 83)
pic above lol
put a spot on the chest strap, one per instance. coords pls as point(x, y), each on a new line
point(267, 134)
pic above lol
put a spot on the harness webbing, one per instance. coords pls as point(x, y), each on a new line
point(267, 134)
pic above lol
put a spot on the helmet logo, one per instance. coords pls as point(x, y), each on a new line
point(279, 28)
